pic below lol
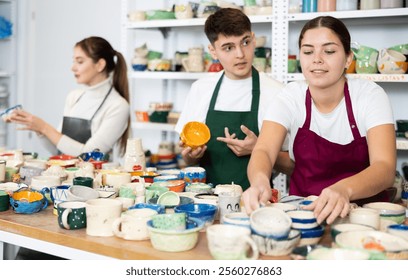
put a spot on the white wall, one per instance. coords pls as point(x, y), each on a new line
point(50, 29)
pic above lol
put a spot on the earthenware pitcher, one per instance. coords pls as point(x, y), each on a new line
point(194, 62)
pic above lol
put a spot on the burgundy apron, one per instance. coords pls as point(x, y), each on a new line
point(321, 163)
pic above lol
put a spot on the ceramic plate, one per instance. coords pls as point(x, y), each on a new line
point(371, 239)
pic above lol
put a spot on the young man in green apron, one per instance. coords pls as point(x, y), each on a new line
point(231, 103)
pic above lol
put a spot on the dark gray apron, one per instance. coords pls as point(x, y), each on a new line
point(80, 129)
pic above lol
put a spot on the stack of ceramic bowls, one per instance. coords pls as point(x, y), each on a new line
point(304, 220)
point(271, 231)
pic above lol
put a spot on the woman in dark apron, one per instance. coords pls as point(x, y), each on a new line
point(341, 132)
point(96, 117)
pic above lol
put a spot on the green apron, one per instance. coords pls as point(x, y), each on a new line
point(221, 164)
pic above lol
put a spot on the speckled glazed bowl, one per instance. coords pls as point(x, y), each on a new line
point(26, 201)
point(174, 240)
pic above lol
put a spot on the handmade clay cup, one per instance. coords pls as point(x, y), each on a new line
point(132, 224)
point(100, 215)
point(228, 242)
point(83, 181)
point(173, 221)
point(72, 214)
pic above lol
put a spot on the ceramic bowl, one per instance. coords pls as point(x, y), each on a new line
point(62, 160)
point(204, 212)
point(270, 246)
point(107, 193)
point(237, 219)
point(169, 198)
point(339, 228)
point(157, 207)
point(301, 252)
point(81, 193)
point(303, 219)
point(173, 240)
point(193, 174)
point(159, 14)
point(283, 206)
point(270, 222)
point(171, 185)
point(228, 188)
point(195, 134)
point(148, 176)
point(311, 236)
point(338, 254)
point(4, 201)
point(170, 208)
point(199, 188)
point(388, 210)
point(398, 230)
point(392, 67)
point(164, 178)
point(379, 244)
point(94, 155)
point(139, 67)
point(26, 201)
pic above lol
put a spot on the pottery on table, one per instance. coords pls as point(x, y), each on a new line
point(175, 240)
point(271, 222)
point(337, 254)
point(380, 245)
point(303, 219)
point(271, 246)
point(28, 201)
point(388, 210)
point(204, 212)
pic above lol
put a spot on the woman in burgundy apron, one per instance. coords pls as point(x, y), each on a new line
point(358, 171)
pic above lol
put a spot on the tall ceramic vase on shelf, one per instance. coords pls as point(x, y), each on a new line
point(134, 157)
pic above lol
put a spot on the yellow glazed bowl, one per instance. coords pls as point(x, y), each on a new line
point(195, 134)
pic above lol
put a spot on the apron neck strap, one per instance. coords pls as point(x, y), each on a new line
point(255, 91)
point(349, 108)
point(103, 101)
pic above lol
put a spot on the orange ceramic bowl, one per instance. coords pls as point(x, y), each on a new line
point(176, 185)
point(195, 134)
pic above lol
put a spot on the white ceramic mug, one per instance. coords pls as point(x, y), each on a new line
point(132, 225)
point(100, 215)
point(228, 242)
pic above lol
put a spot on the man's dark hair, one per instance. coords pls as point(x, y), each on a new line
point(228, 22)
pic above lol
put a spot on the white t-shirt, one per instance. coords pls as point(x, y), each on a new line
point(234, 95)
point(371, 107)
